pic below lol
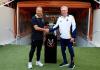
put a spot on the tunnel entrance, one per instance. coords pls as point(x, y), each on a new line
point(81, 13)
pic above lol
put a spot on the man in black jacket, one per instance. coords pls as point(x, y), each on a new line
point(37, 36)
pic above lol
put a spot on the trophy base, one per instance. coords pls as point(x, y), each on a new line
point(51, 48)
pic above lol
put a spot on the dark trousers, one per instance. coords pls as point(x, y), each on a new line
point(64, 43)
point(35, 44)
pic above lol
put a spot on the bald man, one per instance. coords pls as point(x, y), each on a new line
point(37, 36)
point(67, 27)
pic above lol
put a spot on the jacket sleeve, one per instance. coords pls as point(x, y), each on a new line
point(73, 28)
point(56, 26)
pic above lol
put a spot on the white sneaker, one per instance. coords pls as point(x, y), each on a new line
point(39, 63)
point(29, 65)
point(63, 64)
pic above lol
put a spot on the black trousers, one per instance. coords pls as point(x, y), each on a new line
point(35, 44)
point(64, 43)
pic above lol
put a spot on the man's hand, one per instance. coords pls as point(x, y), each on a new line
point(72, 40)
point(46, 30)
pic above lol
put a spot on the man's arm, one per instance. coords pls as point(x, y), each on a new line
point(36, 27)
point(55, 26)
point(73, 30)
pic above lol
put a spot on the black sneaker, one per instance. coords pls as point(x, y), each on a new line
point(63, 64)
point(72, 66)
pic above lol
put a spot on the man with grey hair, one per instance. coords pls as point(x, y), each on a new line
point(37, 36)
point(67, 28)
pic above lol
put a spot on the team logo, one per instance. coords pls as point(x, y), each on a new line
point(50, 42)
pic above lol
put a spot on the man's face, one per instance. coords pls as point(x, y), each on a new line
point(39, 13)
point(64, 11)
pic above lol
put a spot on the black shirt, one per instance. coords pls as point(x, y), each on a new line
point(37, 35)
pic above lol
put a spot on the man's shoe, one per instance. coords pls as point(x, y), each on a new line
point(72, 66)
point(39, 63)
point(29, 65)
point(64, 64)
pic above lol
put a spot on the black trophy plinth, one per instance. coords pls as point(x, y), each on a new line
point(51, 48)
